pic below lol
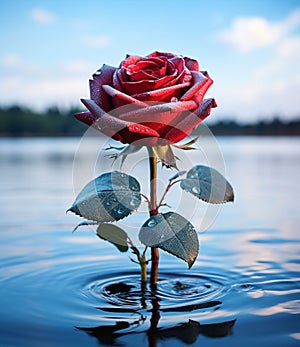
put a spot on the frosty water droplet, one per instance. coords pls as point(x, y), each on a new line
point(196, 190)
point(107, 203)
point(118, 210)
point(133, 203)
point(151, 223)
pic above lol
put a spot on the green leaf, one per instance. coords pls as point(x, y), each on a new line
point(109, 197)
point(208, 185)
point(172, 233)
point(165, 155)
point(114, 235)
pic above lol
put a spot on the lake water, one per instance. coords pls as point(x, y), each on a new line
point(59, 288)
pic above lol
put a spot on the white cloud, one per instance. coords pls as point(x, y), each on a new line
point(10, 61)
point(95, 41)
point(31, 85)
point(78, 66)
point(42, 16)
point(249, 33)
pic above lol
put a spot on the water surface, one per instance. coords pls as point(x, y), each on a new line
point(60, 288)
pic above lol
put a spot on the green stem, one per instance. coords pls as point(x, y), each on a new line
point(153, 211)
point(143, 265)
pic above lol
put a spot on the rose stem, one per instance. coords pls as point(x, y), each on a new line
point(153, 211)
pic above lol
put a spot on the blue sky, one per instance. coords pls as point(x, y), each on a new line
point(49, 49)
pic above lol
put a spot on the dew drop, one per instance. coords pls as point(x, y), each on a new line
point(196, 190)
point(133, 203)
point(151, 223)
point(135, 188)
point(146, 130)
point(107, 203)
point(119, 210)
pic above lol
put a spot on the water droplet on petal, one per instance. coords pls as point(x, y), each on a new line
point(98, 73)
point(151, 223)
point(196, 190)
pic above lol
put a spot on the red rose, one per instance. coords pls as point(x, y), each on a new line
point(162, 94)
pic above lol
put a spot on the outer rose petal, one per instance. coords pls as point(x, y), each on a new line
point(164, 113)
point(86, 117)
point(201, 92)
point(102, 76)
point(191, 64)
point(126, 132)
point(188, 124)
point(201, 82)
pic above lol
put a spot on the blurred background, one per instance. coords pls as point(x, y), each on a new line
point(49, 50)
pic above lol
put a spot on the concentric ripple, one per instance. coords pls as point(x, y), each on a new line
point(122, 292)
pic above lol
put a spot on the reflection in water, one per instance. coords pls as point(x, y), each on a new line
point(186, 332)
point(151, 310)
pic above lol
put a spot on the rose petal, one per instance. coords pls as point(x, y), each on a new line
point(163, 94)
point(126, 132)
point(199, 81)
point(161, 113)
point(161, 54)
point(198, 97)
point(121, 96)
point(130, 60)
point(103, 76)
point(188, 124)
point(145, 85)
point(86, 117)
point(191, 64)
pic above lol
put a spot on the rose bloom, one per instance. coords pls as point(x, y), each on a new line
point(155, 100)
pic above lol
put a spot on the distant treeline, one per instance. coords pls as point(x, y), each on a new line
point(16, 121)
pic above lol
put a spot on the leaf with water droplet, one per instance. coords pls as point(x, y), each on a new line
point(172, 233)
point(109, 197)
point(114, 235)
point(208, 185)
